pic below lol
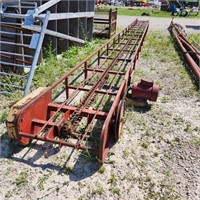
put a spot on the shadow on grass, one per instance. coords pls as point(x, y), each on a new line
point(139, 109)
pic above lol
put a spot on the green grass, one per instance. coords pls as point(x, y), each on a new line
point(156, 44)
point(164, 99)
point(115, 191)
point(195, 40)
point(22, 178)
point(112, 180)
point(129, 11)
point(98, 191)
point(145, 145)
point(102, 169)
point(53, 68)
point(196, 141)
point(42, 180)
point(68, 170)
point(139, 12)
point(3, 116)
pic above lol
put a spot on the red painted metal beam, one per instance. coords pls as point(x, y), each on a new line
point(61, 142)
point(85, 112)
point(87, 90)
point(110, 72)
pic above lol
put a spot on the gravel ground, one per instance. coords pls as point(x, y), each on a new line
point(162, 24)
point(156, 158)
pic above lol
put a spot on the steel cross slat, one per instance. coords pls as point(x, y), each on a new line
point(14, 44)
point(9, 74)
point(14, 64)
point(6, 84)
point(10, 33)
point(15, 54)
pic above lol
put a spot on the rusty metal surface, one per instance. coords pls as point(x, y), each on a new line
point(146, 90)
point(190, 52)
point(81, 108)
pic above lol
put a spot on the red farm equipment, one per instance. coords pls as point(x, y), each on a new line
point(190, 52)
point(90, 104)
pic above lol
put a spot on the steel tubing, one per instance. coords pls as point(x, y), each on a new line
point(188, 50)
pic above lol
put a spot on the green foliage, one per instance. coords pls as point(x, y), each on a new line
point(49, 52)
point(22, 178)
point(48, 71)
point(127, 11)
point(98, 191)
point(145, 145)
point(68, 170)
point(195, 39)
point(9, 194)
point(164, 99)
point(53, 67)
point(42, 180)
point(115, 191)
point(196, 141)
point(76, 53)
point(88, 155)
point(3, 116)
point(112, 180)
point(102, 170)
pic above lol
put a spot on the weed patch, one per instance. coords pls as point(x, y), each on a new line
point(42, 180)
point(22, 178)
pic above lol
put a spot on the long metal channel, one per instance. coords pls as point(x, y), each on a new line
point(105, 73)
point(66, 102)
point(190, 52)
point(103, 84)
point(99, 84)
point(87, 131)
point(88, 128)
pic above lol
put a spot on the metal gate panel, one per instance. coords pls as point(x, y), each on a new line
point(25, 24)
